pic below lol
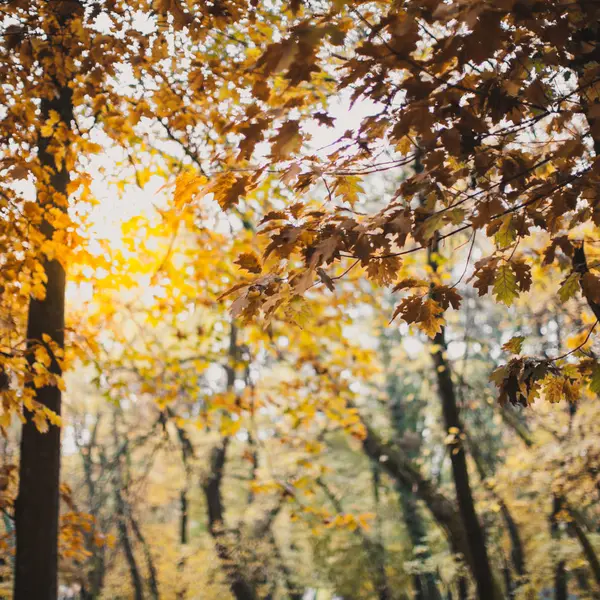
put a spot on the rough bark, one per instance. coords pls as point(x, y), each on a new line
point(37, 505)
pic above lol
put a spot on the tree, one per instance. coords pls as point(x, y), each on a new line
point(497, 103)
point(76, 74)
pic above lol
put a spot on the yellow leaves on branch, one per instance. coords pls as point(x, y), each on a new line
point(426, 312)
point(227, 188)
point(561, 387)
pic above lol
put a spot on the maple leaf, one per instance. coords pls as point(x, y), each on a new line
point(408, 283)
point(514, 345)
point(523, 274)
point(553, 389)
point(595, 379)
point(430, 320)
point(250, 262)
point(590, 285)
point(324, 119)
point(383, 270)
point(446, 296)
point(507, 233)
point(287, 141)
point(569, 287)
point(426, 314)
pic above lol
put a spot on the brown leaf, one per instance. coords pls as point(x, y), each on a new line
point(249, 261)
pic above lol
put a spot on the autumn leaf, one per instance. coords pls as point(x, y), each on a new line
point(287, 141)
point(383, 270)
point(250, 262)
point(430, 320)
point(569, 287)
point(514, 345)
point(505, 285)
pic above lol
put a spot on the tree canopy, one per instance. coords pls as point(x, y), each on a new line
point(303, 295)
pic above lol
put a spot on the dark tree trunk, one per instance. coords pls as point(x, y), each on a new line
point(37, 504)
point(95, 577)
point(399, 466)
point(560, 573)
point(424, 583)
point(183, 522)
point(240, 588)
point(517, 552)
point(152, 574)
point(586, 546)
point(482, 571)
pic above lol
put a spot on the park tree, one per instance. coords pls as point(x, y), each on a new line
point(83, 78)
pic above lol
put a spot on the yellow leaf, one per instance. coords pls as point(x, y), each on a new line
point(505, 285)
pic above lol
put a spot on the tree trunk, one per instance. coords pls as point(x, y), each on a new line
point(586, 546)
point(37, 504)
point(560, 573)
point(121, 517)
point(183, 522)
point(517, 552)
point(402, 470)
point(152, 574)
point(424, 583)
point(240, 588)
point(482, 571)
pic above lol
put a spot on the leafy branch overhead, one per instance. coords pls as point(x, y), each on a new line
point(487, 115)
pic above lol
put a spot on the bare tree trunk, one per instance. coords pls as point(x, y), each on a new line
point(560, 573)
point(586, 546)
point(37, 504)
point(517, 552)
point(241, 589)
point(482, 571)
point(134, 572)
point(152, 575)
point(396, 464)
point(121, 518)
point(98, 559)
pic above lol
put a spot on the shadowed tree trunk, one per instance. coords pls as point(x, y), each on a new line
point(424, 583)
point(121, 517)
point(37, 505)
point(211, 486)
point(373, 548)
point(482, 571)
point(560, 573)
point(399, 466)
point(405, 420)
point(152, 574)
point(517, 552)
point(241, 589)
